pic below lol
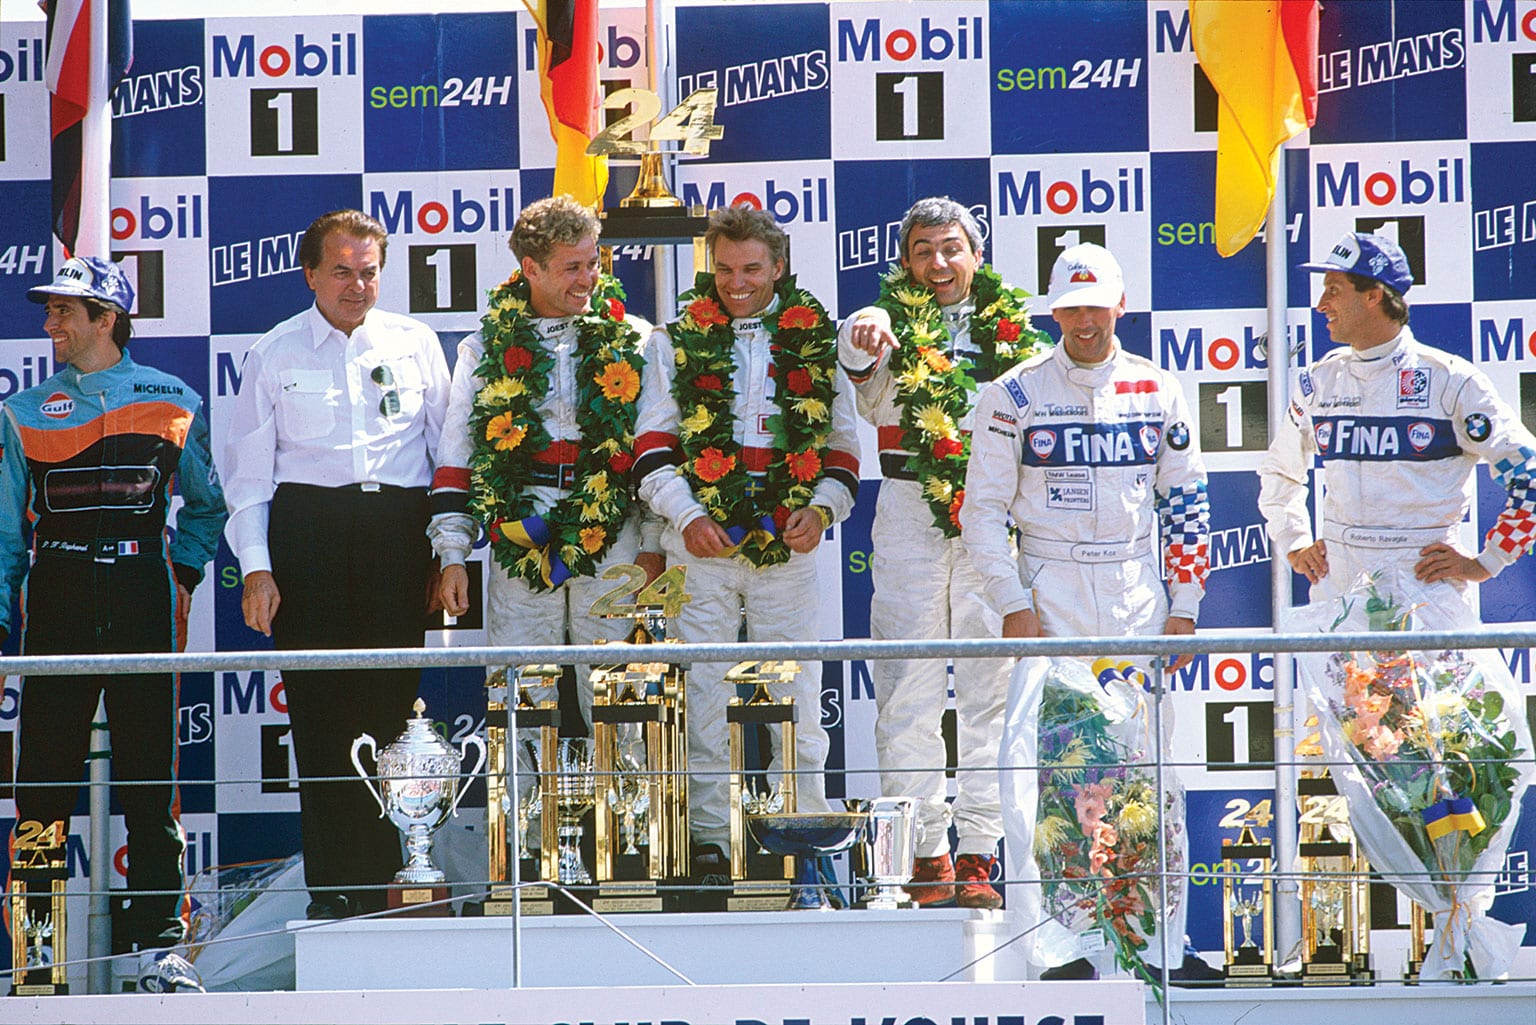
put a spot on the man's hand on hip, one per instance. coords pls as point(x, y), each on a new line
point(1439, 561)
point(1023, 623)
point(259, 601)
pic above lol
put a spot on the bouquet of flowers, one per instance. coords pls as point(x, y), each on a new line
point(1089, 813)
point(1432, 754)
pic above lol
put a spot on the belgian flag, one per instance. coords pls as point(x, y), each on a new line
point(572, 95)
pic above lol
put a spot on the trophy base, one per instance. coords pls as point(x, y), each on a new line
point(1325, 973)
point(426, 901)
point(565, 901)
point(632, 897)
point(1411, 976)
point(1238, 975)
point(40, 989)
point(764, 896)
point(535, 901)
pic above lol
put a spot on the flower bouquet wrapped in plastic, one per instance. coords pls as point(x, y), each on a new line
point(1432, 753)
point(1088, 815)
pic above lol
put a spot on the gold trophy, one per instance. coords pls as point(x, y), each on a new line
point(640, 736)
point(760, 881)
point(509, 816)
point(39, 871)
point(1335, 888)
point(1249, 962)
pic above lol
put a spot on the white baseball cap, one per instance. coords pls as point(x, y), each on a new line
point(1086, 275)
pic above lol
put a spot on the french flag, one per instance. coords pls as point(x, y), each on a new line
point(68, 76)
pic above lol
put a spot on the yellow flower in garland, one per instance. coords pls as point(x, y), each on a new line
point(936, 422)
point(511, 304)
point(592, 539)
point(1050, 831)
point(938, 489)
point(1137, 820)
point(913, 298)
point(592, 511)
point(598, 485)
point(619, 382)
point(914, 377)
point(697, 422)
point(504, 433)
point(501, 391)
point(811, 409)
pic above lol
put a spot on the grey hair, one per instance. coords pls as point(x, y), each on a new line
point(936, 211)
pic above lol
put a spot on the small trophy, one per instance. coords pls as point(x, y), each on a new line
point(1249, 962)
point(1335, 888)
point(891, 843)
point(39, 871)
point(418, 790)
point(760, 881)
point(511, 819)
point(575, 794)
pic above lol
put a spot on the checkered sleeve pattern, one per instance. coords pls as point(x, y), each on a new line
point(1515, 529)
point(1185, 515)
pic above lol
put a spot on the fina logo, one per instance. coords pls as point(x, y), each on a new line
point(1150, 436)
point(1042, 442)
point(1420, 434)
point(1324, 435)
point(58, 406)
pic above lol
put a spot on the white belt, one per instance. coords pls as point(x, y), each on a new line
point(1085, 551)
point(1388, 537)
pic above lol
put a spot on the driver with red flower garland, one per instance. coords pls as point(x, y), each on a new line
point(926, 586)
point(538, 442)
point(748, 449)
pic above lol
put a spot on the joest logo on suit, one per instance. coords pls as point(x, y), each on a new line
point(902, 74)
point(441, 93)
point(1051, 202)
point(298, 91)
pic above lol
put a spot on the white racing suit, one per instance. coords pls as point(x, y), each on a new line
point(780, 601)
point(1091, 464)
point(1399, 429)
point(515, 613)
point(927, 589)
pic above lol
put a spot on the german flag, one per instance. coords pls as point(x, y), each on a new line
point(572, 95)
point(1261, 57)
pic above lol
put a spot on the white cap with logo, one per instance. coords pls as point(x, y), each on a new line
point(1086, 275)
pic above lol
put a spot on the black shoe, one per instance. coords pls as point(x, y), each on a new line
point(1194, 971)
point(1072, 970)
point(328, 907)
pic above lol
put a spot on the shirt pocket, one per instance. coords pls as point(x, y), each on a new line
point(306, 407)
point(402, 378)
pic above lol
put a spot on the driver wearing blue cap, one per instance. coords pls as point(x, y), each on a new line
point(89, 457)
point(1399, 427)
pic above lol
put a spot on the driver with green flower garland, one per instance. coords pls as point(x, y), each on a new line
point(538, 443)
point(748, 449)
point(943, 324)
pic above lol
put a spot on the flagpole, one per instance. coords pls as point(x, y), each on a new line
point(96, 146)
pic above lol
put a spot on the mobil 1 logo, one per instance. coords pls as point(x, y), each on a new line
point(1234, 416)
point(1054, 239)
point(285, 122)
point(1239, 735)
point(442, 278)
point(909, 105)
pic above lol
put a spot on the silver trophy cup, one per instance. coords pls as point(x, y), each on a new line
point(892, 844)
point(418, 788)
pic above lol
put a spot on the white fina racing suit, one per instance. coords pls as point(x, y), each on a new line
point(926, 588)
point(781, 601)
point(1091, 464)
point(1399, 429)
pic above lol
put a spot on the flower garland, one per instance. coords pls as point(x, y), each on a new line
point(804, 352)
point(571, 537)
point(933, 391)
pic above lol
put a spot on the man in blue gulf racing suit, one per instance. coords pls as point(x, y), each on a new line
point(89, 456)
point(1400, 427)
point(1088, 450)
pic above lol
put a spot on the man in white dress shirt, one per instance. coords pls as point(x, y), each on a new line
point(328, 462)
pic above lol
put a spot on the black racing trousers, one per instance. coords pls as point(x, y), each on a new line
point(351, 568)
point(76, 605)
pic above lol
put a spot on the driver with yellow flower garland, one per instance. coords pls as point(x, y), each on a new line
point(748, 450)
point(538, 443)
point(943, 324)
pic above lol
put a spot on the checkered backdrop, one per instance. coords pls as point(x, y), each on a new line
point(230, 134)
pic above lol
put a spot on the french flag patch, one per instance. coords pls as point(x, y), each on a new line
point(127, 548)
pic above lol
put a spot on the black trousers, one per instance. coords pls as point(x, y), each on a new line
point(351, 568)
point(80, 606)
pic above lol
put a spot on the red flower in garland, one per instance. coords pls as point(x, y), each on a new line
point(707, 382)
point(1007, 330)
point(798, 316)
point(615, 310)
point(706, 313)
point(799, 380)
point(712, 464)
point(803, 466)
point(780, 516)
point(943, 448)
point(620, 462)
point(954, 507)
point(516, 359)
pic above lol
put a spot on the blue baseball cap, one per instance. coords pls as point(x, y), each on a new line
point(1370, 256)
point(88, 277)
